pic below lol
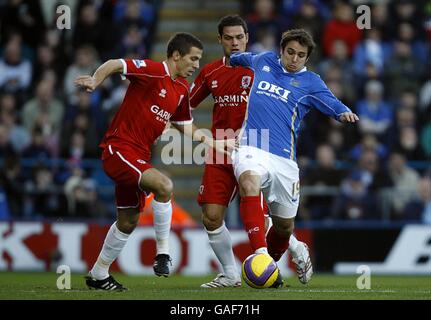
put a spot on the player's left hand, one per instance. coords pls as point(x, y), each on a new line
point(349, 117)
point(224, 146)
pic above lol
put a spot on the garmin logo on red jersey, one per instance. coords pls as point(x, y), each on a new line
point(230, 99)
point(272, 88)
point(162, 115)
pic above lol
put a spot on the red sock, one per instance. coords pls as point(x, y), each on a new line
point(254, 223)
point(277, 245)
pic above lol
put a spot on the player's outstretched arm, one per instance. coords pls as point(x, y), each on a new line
point(349, 117)
point(190, 130)
point(105, 70)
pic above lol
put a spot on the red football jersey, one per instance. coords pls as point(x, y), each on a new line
point(152, 99)
point(229, 87)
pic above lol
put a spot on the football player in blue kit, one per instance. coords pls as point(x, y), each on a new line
point(283, 92)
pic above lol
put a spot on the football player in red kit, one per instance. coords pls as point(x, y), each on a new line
point(229, 87)
point(157, 94)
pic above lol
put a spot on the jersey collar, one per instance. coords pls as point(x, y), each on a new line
point(166, 68)
point(224, 62)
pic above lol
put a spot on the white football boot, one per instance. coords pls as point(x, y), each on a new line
point(222, 281)
point(301, 258)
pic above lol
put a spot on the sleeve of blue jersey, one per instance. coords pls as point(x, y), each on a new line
point(244, 59)
point(324, 100)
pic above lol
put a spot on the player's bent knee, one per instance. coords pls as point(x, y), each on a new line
point(127, 226)
point(127, 220)
point(249, 188)
point(212, 223)
point(164, 188)
point(212, 216)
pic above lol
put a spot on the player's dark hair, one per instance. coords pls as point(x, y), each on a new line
point(231, 21)
point(300, 35)
point(183, 42)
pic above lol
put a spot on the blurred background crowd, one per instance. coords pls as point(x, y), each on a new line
point(379, 169)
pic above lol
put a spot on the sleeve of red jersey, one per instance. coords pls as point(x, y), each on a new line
point(199, 90)
point(136, 67)
point(183, 114)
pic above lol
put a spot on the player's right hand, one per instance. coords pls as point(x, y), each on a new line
point(349, 117)
point(86, 82)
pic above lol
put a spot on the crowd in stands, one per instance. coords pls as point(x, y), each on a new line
point(378, 169)
point(49, 129)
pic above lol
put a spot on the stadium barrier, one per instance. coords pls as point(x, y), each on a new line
point(385, 249)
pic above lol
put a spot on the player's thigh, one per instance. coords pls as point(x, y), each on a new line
point(155, 181)
point(218, 185)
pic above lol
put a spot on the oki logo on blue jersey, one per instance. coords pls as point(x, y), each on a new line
point(139, 63)
point(272, 88)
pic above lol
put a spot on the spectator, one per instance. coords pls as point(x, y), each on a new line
point(12, 182)
point(264, 16)
point(354, 201)
point(419, 209)
point(325, 174)
point(338, 58)
point(376, 114)
point(6, 148)
point(408, 143)
point(266, 41)
point(369, 142)
point(405, 180)
point(44, 199)
point(90, 30)
point(86, 62)
point(309, 17)
point(18, 135)
point(81, 197)
point(37, 149)
point(341, 27)
point(15, 71)
point(402, 70)
point(372, 51)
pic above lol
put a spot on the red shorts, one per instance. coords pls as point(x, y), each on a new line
point(219, 186)
point(125, 167)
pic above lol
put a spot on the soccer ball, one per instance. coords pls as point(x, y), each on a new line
point(259, 271)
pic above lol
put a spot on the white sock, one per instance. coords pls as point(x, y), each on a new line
point(221, 243)
point(162, 224)
point(115, 241)
point(293, 245)
point(262, 250)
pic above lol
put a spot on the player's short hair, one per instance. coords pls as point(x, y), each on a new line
point(231, 21)
point(300, 35)
point(183, 42)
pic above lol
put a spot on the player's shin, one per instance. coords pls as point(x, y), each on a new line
point(114, 242)
point(162, 224)
point(221, 243)
point(254, 223)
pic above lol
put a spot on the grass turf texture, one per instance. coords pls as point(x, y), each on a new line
point(35, 286)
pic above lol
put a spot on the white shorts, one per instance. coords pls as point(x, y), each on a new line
point(279, 176)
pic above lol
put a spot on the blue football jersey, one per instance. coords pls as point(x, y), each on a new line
point(279, 100)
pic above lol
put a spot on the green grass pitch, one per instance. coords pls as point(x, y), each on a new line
point(36, 286)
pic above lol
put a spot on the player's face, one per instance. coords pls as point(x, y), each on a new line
point(233, 39)
point(294, 56)
point(189, 63)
